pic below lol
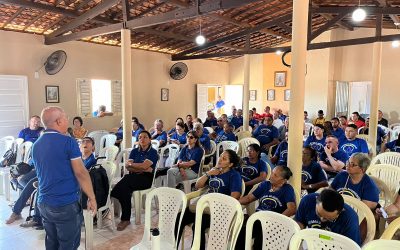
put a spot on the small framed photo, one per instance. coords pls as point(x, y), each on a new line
point(271, 95)
point(52, 94)
point(287, 94)
point(164, 95)
point(280, 79)
point(253, 95)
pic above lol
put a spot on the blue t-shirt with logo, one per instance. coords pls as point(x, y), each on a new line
point(222, 136)
point(226, 183)
point(249, 171)
point(30, 135)
point(89, 162)
point(218, 129)
point(281, 152)
point(253, 122)
point(139, 156)
point(346, 224)
point(181, 138)
point(339, 155)
point(237, 121)
point(312, 174)
point(392, 146)
point(366, 189)
point(265, 134)
point(354, 146)
point(52, 154)
point(339, 133)
point(314, 143)
point(195, 154)
point(205, 142)
point(275, 201)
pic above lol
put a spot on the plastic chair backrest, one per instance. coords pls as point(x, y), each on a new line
point(237, 130)
point(173, 153)
point(107, 140)
point(395, 133)
point(391, 229)
point(371, 149)
point(277, 229)
point(5, 144)
point(385, 129)
point(317, 239)
point(394, 125)
point(110, 152)
point(170, 201)
point(121, 160)
point(243, 143)
point(392, 158)
point(308, 129)
point(382, 244)
point(227, 145)
point(19, 141)
point(155, 144)
point(209, 129)
point(363, 211)
point(213, 148)
point(389, 174)
point(269, 170)
point(384, 192)
point(24, 152)
point(243, 134)
point(110, 168)
point(226, 219)
point(364, 137)
point(97, 135)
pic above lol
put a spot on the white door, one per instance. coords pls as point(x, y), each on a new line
point(202, 101)
point(14, 104)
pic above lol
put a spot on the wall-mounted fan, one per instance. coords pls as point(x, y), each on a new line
point(55, 62)
point(178, 71)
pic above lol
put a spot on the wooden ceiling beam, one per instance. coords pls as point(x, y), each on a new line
point(395, 18)
point(341, 24)
point(327, 25)
point(369, 9)
point(88, 15)
point(34, 20)
point(126, 10)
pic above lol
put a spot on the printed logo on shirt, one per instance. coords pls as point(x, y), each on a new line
point(249, 171)
point(348, 148)
point(265, 131)
point(314, 224)
point(349, 192)
point(283, 154)
point(215, 184)
point(306, 176)
point(269, 202)
point(222, 138)
point(316, 146)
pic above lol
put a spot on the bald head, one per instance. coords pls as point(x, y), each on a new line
point(54, 118)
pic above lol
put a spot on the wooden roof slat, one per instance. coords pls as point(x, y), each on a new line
point(13, 16)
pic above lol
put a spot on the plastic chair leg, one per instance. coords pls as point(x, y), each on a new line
point(112, 217)
point(138, 205)
point(99, 219)
point(88, 220)
point(6, 179)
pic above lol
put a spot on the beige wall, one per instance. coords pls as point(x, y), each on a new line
point(23, 54)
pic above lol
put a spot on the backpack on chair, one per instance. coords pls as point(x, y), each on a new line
point(10, 156)
point(99, 178)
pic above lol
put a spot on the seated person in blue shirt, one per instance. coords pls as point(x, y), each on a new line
point(266, 134)
point(136, 130)
point(328, 211)
point(237, 120)
point(317, 140)
point(87, 149)
point(32, 132)
point(336, 129)
point(179, 136)
point(189, 160)
point(332, 160)
point(280, 155)
point(252, 121)
point(101, 112)
point(393, 146)
point(226, 134)
point(351, 144)
point(141, 165)
point(159, 134)
point(380, 135)
point(204, 139)
point(312, 175)
point(218, 128)
point(173, 129)
point(210, 121)
point(223, 179)
point(274, 195)
point(254, 170)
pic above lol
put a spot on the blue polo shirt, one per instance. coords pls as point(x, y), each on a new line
point(218, 129)
point(392, 146)
point(120, 133)
point(89, 162)
point(356, 145)
point(205, 142)
point(30, 135)
point(366, 189)
point(281, 153)
point(225, 183)
point(237, 121)
point(52, 154)
point(139, 156)
point(135, 133)
point(275, 201)
point(265, 134)
point(249, 171)
point(195, 154)
point(339, 133)
point(210, 123)
point(222, 136)
point(317, 145)
point(160, 137)
point(346, 224)
point(253, 122)
point(312, 174)
point(180, 138)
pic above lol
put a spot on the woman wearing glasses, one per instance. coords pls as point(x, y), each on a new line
point(189, 161)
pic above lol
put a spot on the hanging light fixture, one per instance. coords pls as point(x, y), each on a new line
point(359, 14)
point(200, 39)
point(278, 52)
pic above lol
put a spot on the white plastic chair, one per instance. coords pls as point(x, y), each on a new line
point(277, 229)
point(395, 133)
point(211, 154)
point(237, 130)
point(120, 162)
point(389, 174)
point(308, 128)
point(24, 152)
point(391, 230)
point(317, 239)
point(243, 134)
point(155, 144)
point(364, 137)
point(173, 153)
point(107, 141)
point(187, 184)
point(171, 201)
point(382, 244)
point(363, 212)
point(5, 144)
point(109, 152)
point(225, 222)
point(392, 158)
point(394, 125)
point(227, 145)
point(209, 129)
point(97, 135)
point(384, 193)
point(244, 143)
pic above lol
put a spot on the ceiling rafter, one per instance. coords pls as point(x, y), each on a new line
point(395, 18)
point(328, 17)
point(82, 4)
point(41, 14)
point(126, 10)
point(328, 25)
point(13, 16)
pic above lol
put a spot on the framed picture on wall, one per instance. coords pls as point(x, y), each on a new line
point(253, 95)
point(52, 94)
point(280, 79)
point(287, 94)
point(271, 95)
point(164, 94)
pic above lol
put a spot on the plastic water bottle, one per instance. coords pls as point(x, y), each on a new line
point(155, 239)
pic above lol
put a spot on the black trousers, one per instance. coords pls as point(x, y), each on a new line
point(189, 218)
point(257, 235)
point(126, 186)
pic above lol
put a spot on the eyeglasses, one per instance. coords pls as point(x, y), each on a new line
point(351, 164)
point(190, 136)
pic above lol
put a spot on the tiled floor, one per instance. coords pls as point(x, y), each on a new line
point(17, 238)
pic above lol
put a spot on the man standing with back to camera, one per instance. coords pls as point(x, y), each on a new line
point(60, 172)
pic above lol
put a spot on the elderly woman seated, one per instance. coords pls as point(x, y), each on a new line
point(159, 134)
